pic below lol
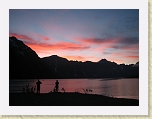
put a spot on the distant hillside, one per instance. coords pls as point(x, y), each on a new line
point(62, 68)
point(25, 63)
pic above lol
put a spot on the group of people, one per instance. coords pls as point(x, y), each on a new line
point(56, 89)
point(38, 83)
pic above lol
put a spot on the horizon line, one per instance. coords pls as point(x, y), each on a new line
point(86, 60)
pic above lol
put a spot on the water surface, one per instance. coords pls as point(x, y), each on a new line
point(120, 88)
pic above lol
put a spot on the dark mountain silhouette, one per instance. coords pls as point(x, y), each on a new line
point(24, 63)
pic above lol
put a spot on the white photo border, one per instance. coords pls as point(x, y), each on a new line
point(142, 109)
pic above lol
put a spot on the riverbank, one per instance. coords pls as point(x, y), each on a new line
point(67, 99)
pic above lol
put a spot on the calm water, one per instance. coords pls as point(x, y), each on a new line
point(120, 88)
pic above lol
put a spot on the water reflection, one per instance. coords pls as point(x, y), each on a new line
point(122, 88)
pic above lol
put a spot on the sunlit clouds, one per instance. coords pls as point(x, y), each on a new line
point(80, 35)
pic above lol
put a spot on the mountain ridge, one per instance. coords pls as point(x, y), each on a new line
point(25, 63)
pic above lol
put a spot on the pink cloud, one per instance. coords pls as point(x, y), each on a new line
point(29, 39)
point(24, 37)
point(94, 47)
point(128, 43)
point(101, 41)
point(43, 37)
point(98, 45)
point(57, 46)
point(132, 57)
point(48, 46)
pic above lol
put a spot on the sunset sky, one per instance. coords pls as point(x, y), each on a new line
point(79, 34)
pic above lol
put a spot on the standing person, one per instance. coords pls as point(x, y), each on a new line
point(57, 85)
point(38, 86)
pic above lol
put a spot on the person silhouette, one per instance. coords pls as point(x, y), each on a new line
point(38, 85)
point(56, 85)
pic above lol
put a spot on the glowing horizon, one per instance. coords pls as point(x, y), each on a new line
point(82, 35)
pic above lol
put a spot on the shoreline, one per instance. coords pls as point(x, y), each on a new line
point(67, 99)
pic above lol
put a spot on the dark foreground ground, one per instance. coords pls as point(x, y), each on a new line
point(67, 99)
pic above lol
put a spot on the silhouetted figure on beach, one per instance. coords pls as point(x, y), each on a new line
point(38, 86)
point(56, 86)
